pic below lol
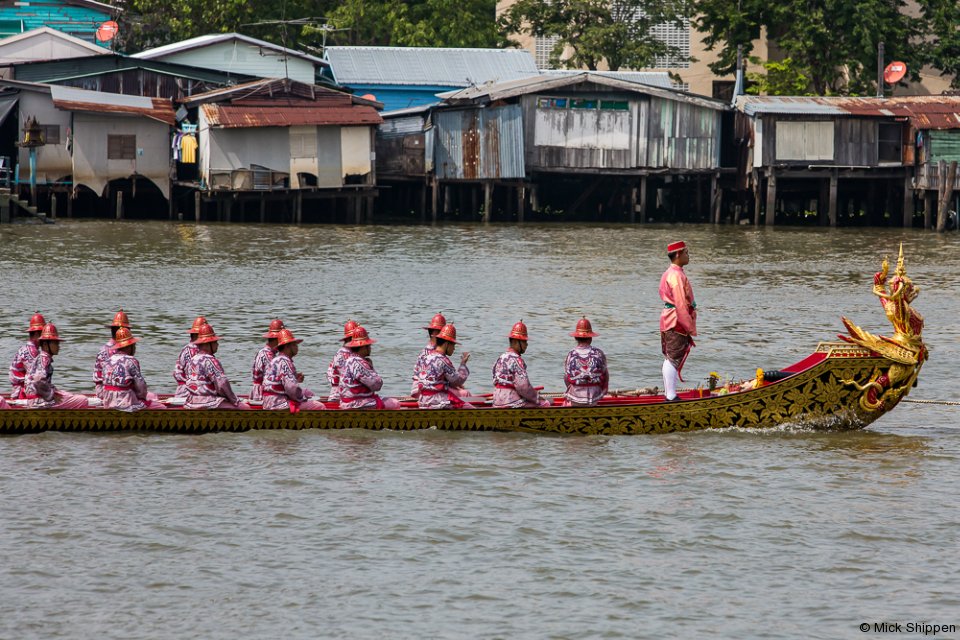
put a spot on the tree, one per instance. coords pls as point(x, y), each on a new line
point(835, 40)
point(782, 78)
point(147, 23)
point(943, 38)
point(617, 32)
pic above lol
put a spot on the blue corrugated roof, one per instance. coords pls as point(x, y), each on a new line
point(427, 66)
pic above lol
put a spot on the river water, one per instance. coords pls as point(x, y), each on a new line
point(447, 535)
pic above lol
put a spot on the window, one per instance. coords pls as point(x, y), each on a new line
point(51, 133)
point(542, 48)
point(121, 147)
point(615, 105)
point(583, 103)
point(889, 143)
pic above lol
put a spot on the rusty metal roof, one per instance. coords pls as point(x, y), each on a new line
point(72, 99)
point(238, 116)
point(923, 112)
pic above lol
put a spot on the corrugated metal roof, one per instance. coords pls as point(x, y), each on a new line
point(238, 116)
point(536, 84)
point(651, 78)
point(923, 112)
point(214, 38)
point(72, 99)
point(34, 34)
point(427, 66)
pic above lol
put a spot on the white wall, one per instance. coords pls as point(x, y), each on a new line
point(53, 160)
point(91, 167)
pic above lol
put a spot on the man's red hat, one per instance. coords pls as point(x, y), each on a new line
point(36, 323)
point(50, 333)
point(274, 330)
point(584, 329)
point(360, 338)
point(285, 336)
point(124, 338)
point(206, 334)
point(519, 331)
point(448, 333)
point(197, 323)
point(348, 328)
point(436, 322)
point(676, 246)
point(120, 320)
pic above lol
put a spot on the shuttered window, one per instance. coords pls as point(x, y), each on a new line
point(121, 147)
point(804, 140)
point(51, 133)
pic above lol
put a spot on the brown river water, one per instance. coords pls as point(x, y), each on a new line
point(734, 534)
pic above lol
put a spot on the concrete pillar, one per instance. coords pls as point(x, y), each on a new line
point(119, 204)
point(298, 207)
point(716, 198)
point(757, 197)
point(521, 202)
point(53, 206)
point(642, 199)
point(434, 201)
point(196, 206)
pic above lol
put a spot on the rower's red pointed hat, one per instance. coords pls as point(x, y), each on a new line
point(448, 333)
point(285, 336)
point(360, 338)
point(676, 246)
point(50, 333)
point(120, 320)
point(274, 330)
point(519, 331)
point(584, 329)
point(348, 328)
point(436, 322)
point(36, 323)
point(206, 334)
point(197, 323)
point(124, 338)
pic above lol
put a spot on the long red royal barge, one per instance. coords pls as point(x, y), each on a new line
point(840, 386)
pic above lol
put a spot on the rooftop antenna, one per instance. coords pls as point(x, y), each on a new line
point(284, 24)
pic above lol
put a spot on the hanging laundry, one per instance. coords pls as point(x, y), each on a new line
point(188, 149)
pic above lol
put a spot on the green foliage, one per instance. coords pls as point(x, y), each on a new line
point(943, 37)
point(834, 42)
point(591, 32)
point(783, 78)
point(423, 23)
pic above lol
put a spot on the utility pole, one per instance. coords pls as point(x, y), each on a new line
point(880, 70)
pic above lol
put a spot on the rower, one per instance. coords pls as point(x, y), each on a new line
point(182, 370)
point(39, 389)
point(207, 384)
point(359, 381)
point(25, 356)
point(513, 388)
point(585, 369)
point(438, 374)
point(336, 365)
point(263, 358)
point(122, 386)
point(281, 382)
point(119, 320)
point(437, 322)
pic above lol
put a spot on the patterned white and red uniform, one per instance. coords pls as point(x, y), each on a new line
point(585, 372)
point(282, 390)
point(456, 389)
point(182, 371)
point(22, 361)
point(100, 364)
point(437, 374)
point(359, 383)
point(208, 386)
point(513, 389)
point(41, 392)
point(260, 362)
point(123, 386)
point(334, 370)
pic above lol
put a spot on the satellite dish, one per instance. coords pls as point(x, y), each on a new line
point(369, 96)
point(107, 31)
point(894, 72)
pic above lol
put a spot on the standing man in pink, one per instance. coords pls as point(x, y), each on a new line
point(207, 384)
point(119, 320)
point(359, 381)
point(263, 358)
point(25, 356)
point(512, 386)
point(122, 384)
point(182, 370)
point(585, 369)
point(336, 365)
point(438, 375)
point(39, 388)
point(281, 382)
point(678, 320)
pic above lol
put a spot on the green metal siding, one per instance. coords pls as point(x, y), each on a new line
point(944, 145)
point(78, 21)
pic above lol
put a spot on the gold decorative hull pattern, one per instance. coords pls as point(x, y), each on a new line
point(828, 395)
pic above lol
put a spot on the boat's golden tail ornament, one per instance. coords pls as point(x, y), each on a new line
point(906, 348)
